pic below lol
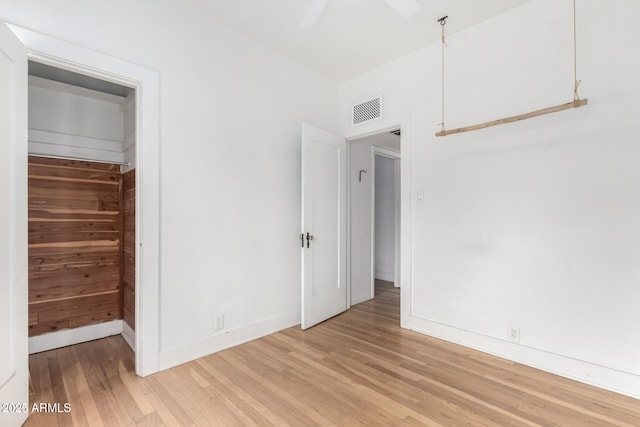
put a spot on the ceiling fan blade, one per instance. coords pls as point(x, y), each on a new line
point(312, 14)
point(405, 8)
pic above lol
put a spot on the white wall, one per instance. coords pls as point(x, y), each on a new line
point(230, 162)
point(71, 121)
point(385, 217)
point(532, 224)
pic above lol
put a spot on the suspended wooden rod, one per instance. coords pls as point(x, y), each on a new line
point(576, 103)
point(573, 104)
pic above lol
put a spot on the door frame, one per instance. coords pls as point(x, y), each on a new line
point(396, 157)
point(403, 122)
point(145, 81)
point(14, 372)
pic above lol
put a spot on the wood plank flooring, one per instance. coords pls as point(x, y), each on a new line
point(357, 369)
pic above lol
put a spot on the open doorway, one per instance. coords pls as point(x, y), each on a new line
point(71, 57)
point(374, 214)
point(81, 208)
point(386, 222)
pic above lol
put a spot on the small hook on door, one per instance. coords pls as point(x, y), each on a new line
point(360, 174)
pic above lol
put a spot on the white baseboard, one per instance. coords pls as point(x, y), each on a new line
point(67, 337)
point(129, 335)
point(226, 339)
point(385, 275)
point(578, 370)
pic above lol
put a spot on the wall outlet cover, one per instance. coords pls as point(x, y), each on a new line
point(219, 322)
point(513, 334)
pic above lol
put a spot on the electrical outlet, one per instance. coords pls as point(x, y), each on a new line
point(513, 334)
point(219, 322)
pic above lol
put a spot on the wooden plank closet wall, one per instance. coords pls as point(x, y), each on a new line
point(129, 247)
point(74, 244)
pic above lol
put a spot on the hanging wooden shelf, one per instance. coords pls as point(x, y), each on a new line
point(576, 103)
point(573, 104)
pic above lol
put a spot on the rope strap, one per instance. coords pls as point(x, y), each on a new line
point(443, 22)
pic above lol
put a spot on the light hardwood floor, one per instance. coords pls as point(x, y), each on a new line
point(358, 368)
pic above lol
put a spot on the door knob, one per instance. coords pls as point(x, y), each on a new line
point(309, 238)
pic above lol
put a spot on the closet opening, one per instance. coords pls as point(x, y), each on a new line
point(81, 208)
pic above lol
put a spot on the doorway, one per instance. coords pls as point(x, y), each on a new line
point(341, 164)
point(81, 208)
point(26, 45)
point(386, 217)
point(374, 198)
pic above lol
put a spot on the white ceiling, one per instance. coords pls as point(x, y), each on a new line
point(351, 36)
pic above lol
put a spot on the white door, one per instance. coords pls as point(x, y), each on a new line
point(323, 238)
point(14, 384)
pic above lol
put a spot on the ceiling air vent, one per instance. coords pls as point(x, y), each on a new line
point(367, 110)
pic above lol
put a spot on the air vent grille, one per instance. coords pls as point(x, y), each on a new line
point(367, 110)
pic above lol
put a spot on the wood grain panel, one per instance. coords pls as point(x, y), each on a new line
point(57, 293)
point(76, 164)
point(96, 317)
point(356, 369)
point(75, 312)
point(41, 271)
point(129, 247)
point(71, 226)
point(46, 326)
point(74, 236)
point(101, 201)
point(80, 304)
point(37, 214)
point(44, 202)
point(33, 319)
point(59, 193)
point(80, 276)
point(44, 254)
point(72, 183)
point(53, 171)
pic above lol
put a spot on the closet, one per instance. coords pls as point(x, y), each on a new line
point(82, 197)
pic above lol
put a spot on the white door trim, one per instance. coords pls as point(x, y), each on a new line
point(386, 152)
point(402, 121)
point(14, 361)
point(146, 82)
